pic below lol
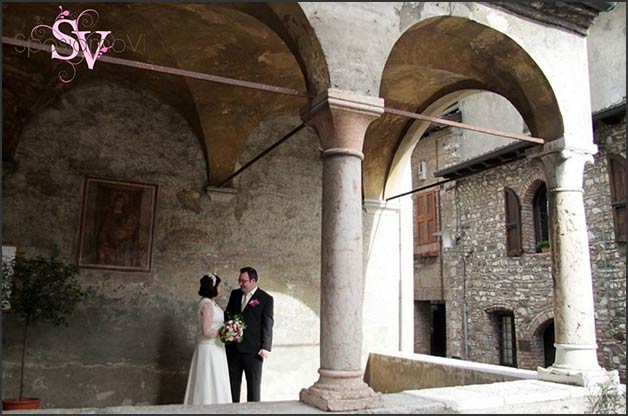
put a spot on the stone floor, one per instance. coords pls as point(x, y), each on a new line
point(523, 396)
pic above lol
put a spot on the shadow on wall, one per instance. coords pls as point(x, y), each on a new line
point(173, 358)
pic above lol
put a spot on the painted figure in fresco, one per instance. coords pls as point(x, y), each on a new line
point(118, 235)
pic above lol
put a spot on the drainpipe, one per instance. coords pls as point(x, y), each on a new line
point(465, 334)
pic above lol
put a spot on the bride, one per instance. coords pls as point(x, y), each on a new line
point(208, 382)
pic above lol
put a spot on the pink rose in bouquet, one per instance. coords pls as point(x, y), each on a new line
point(232, 330)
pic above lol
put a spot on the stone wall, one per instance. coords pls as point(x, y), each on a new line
point(133, 343)
point(608, 258)
point(491, 282)
point(392, 373)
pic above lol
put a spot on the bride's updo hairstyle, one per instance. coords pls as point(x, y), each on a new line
point(209, 285)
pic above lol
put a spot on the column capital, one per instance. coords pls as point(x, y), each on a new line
point(341, 118)
point(563, 165)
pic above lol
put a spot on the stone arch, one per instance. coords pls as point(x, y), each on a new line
point(534, 326)
point(533, 336)
point(438, 61)
point(499, 308)
point(527, 192)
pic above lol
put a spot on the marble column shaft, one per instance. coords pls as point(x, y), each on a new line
point(574, 318)
point(341, 119)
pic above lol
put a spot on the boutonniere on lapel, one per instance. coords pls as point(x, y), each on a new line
point(253, 303)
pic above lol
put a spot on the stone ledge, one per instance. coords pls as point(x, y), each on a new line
point(522, 396)
point(222, 195)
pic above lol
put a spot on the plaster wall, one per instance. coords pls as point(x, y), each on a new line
point(392, 373)
point(133, 343)
point(606, 44)
point(388, 312)
point(556, 52)
point(491, 111)
point(381, 313)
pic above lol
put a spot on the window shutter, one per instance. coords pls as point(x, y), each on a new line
point(513, 223)
point(426, 213)
point(617, 179)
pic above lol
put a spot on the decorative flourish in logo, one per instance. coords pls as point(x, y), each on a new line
point(88, 18)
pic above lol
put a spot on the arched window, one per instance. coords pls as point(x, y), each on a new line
point(539, 208)
point(617, 180)
point(513, 222)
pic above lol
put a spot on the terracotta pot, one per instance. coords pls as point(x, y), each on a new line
point(17, 404)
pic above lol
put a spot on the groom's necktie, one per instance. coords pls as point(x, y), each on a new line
point(245, 299)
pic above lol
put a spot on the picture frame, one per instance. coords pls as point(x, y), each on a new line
point(117, 225)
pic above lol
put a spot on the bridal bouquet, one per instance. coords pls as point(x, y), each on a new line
point(232, 330)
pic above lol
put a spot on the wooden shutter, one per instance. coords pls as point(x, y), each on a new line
point(513, 223)
point(617, 179)
point(426, 211)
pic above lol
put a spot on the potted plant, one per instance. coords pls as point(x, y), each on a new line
point(543, 246)
point(42, 290)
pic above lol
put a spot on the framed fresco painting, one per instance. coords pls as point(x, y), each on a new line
point(117, 225)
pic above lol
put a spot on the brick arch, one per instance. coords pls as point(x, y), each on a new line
point(533, 328)
point(533, 334)
point(499, 307)
point(527, 192)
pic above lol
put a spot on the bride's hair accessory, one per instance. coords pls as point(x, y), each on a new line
point(213, 278)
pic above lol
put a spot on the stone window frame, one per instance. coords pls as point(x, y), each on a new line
point(529, 189)
point(497, 315)
point(617, 202)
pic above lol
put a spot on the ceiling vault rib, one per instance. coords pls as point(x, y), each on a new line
point(263, 153)
point(445, 122)
point(167, 70)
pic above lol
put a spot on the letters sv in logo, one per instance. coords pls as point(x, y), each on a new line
point(82, 36)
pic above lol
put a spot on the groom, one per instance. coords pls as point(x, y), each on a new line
point(256, 308)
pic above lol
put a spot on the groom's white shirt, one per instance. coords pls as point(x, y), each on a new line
point(246, 297)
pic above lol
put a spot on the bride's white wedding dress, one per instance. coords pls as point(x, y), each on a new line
point(208, 382)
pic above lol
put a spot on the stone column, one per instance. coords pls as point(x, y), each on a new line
point(574, 320)
point(341, 119)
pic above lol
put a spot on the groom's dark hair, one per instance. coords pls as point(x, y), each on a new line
point(250, 271)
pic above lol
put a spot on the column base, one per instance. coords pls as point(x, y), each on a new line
point(585, 378)
point(339, 391)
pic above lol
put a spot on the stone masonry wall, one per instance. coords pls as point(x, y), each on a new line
point(608, 258)
point(491, 281)
point(132, 344)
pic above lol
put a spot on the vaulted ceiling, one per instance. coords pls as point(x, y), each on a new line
point(259, 42)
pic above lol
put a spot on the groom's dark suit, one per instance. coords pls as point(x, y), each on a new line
point(258, 316)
